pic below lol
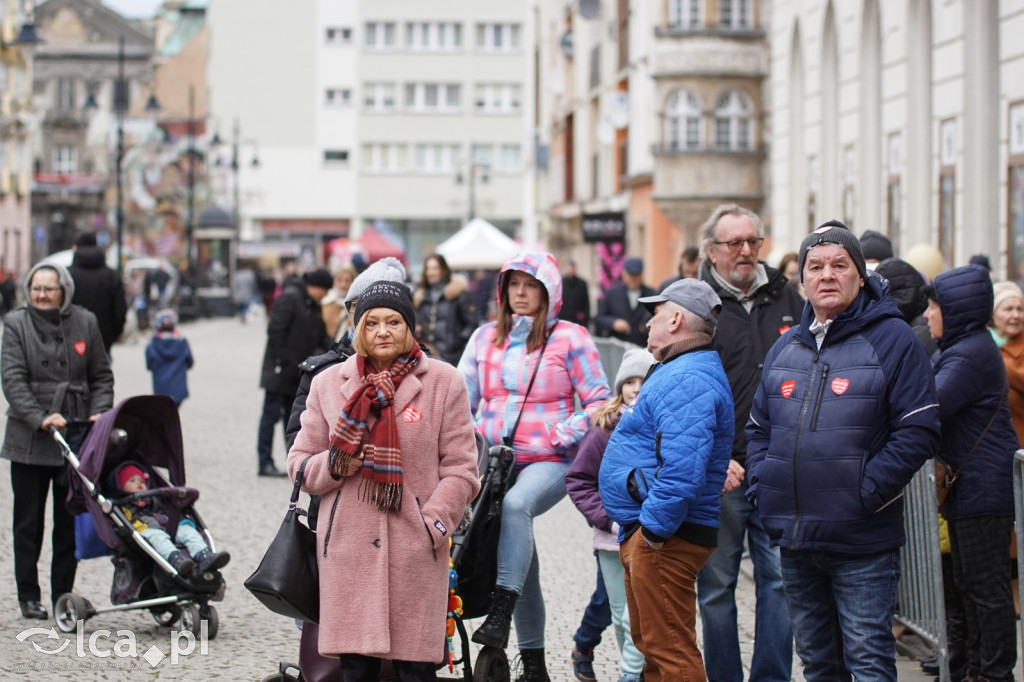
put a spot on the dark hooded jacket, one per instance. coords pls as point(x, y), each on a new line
point(52, 361)
point(99, 290)
point(295, 331)
point(907, 288)
point(836, 433)
point(445, 317)
point(971, 382)
point(169, 357)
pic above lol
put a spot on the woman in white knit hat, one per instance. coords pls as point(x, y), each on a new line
point(1007, 321)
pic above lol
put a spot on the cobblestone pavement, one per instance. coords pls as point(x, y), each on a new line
point(244, 511)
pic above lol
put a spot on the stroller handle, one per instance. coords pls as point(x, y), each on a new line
point(75, 465)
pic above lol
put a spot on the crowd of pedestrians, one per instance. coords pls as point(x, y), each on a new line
point(778, 411)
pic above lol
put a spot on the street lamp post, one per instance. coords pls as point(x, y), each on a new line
point(474, 168)
point(120, 104)
point(191, 224)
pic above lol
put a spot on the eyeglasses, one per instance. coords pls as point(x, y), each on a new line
point(46, 290)
point(737, 244)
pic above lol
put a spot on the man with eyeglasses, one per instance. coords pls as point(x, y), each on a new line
point(758, 306)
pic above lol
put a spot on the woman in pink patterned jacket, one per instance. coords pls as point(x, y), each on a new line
point(499, 364)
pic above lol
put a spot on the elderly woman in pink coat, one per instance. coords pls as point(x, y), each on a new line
point(391, 449)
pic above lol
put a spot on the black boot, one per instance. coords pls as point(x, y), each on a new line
point(209, 560)
point(182, 564)
point(534, 669)
point(494, 631)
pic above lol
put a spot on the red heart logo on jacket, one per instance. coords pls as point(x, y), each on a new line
point(80, 347)
point(411, 414)
point(839, 386)
point(787, 388)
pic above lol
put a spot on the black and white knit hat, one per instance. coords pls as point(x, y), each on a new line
point(834, 232)
point(387, 294)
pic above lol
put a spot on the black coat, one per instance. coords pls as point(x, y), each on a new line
point(295, 331)
point(445, 317)
point(575, 301)
point(743, 339)
point(99, 290)
point(614, 305)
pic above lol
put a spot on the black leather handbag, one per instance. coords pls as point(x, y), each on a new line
point(287, 580)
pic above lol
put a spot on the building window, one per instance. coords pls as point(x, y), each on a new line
point(501, 98)
point(379, 96)
point(732, 122)
point(336, 97)
point(380, 35)
point(65, 160)
point(437, 158)
point(849, 185)
point(685, 14)
point(895, 163)
point(338, 35)
point(510, 157)
point(433, 96)
point(735, 15)
point(482, 155)
point(947, 190)
point(1015, 190)
point(384, 157)
point(432, 36)
point(335, 156)
point(683, 112)
point(812, 193)
point(65, 93)
point(498, 37)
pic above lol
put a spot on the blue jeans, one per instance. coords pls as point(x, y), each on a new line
point(538, 488)
point(187, 535)
point(716, 594)
point(596, 617)
point(842, 609)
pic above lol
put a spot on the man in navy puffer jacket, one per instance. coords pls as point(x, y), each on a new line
point(978, 440)
point(844, 416)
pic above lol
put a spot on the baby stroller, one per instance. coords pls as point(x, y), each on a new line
point(474, 561)
point(147, 430)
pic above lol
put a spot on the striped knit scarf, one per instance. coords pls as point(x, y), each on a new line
point(381, 471)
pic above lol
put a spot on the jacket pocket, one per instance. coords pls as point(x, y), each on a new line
point(426, 527)
point(637, 486)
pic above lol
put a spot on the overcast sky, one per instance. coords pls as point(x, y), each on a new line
point(134, 9)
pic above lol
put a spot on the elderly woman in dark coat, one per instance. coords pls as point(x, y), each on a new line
point(55, 372)
point(978, 442)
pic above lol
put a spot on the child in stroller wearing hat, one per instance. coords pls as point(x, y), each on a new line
point(149, 518)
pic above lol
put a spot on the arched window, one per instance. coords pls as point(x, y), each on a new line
point(685, 14)
point(683, 111)
point(733, 127)
point(736, 15)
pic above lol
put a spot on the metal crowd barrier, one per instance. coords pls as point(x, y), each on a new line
point(1018, 502)
point(919, 594)
point(612, 350)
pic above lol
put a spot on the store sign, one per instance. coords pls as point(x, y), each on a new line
point(604, 227)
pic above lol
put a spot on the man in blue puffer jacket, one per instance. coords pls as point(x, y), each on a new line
point(844, 416)
point(978, 441)
point(662, 475)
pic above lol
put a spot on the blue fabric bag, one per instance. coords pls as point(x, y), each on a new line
point(87, 543)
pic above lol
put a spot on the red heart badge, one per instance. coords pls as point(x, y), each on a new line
point(783, 329)
point(839, 386)
point(787, 388)
point(411, 414)
point(80, 347)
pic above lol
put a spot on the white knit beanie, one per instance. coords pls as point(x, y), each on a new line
point(635, 363)
point(388, 268)
point(1005, 290)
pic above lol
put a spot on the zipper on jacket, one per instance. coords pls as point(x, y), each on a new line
point(821, 392)
point(796, 454)
point(430, 538)
point(330, 522)
point(657, 454)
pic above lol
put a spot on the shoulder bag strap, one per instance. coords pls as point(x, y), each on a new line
point(298, 484)
point(511, 435)
point(950, 480)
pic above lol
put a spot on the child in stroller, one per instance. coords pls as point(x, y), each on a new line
point(147, 516)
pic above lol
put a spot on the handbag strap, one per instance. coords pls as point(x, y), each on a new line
point(991, 421)
point(507, 440)
point(298, 484)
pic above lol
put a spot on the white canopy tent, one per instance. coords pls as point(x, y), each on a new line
point(478, 246)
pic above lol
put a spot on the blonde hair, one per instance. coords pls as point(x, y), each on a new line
point(359, 346)
point(607, 416)
point(344, 267)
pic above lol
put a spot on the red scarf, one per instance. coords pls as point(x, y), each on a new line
point(382, 453)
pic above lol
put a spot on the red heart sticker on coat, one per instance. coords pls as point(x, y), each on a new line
point(787, 388)
point(80, 347)
point(411, 414)
point(839, 386)
point(783, 329)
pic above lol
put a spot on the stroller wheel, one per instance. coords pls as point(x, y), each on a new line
point(491, 665)
point(166, 616)
point(192, 617)
point(69, 609)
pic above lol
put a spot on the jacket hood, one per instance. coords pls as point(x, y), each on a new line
point(872, 304)
point(544, 267)
point(965, 297)
point(63, 277)
point(906, 286)
point(88, 258)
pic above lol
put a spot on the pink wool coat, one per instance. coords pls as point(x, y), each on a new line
point(384, 576)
